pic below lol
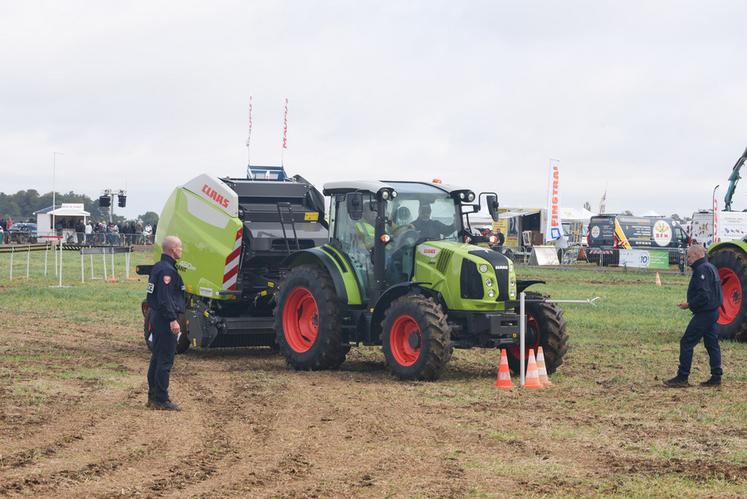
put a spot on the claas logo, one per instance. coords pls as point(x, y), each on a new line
point(212, 194)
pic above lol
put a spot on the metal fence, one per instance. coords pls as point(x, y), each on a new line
point(96, 239)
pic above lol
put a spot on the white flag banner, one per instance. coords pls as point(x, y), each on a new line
point(553, 224)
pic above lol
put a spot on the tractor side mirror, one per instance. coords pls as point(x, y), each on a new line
point(354, 202)
point(492, 202)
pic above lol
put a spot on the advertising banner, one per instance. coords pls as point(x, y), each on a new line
point(553, 224)
point(645, 259)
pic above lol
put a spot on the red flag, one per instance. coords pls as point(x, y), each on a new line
point(285, 125)
point(715, 218)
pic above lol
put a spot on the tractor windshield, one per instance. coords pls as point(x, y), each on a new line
point(428, 211)
point(419, 213)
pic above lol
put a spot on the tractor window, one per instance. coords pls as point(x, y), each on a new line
point(356, 237)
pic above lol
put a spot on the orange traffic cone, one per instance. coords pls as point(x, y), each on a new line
point(658, 279)
point(503, 380)
point(532, 378)
point(541, 369)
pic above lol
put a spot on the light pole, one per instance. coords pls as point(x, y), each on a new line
point(54, 199)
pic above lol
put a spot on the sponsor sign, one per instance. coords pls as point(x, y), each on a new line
point(645, 259)
point(553, 224)
point(662, 233)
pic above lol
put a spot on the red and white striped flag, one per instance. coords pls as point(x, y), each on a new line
point(715, 218)
point(285, 125)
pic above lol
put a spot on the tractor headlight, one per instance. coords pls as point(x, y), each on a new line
point(491, 294)
point(385, 195)
point(483, 268)
point(488, 282)
point(461, 195)
point(471, 197)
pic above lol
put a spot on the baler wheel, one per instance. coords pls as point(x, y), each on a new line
point(732, 268)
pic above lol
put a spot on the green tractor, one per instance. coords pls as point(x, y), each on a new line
point(397, 272)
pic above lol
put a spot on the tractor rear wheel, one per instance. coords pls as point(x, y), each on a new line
point(416, 338)
point(732, 268)
point(545, 328)
point(308, 320)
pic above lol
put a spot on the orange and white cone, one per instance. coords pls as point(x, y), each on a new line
point(658, 279)
point(532, 379)
point(542, 370)
point(503, 380)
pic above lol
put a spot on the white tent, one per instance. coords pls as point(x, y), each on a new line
point(68, 214)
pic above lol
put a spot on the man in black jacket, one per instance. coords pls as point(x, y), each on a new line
point(166, 301)
point(703, 299)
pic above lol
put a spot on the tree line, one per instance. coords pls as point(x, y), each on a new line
point(22, 205)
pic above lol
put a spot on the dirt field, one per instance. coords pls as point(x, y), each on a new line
point(73, 421)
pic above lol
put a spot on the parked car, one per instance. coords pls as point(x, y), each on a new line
point(22, 233)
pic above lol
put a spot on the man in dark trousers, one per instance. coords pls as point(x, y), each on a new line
point(166, 301)
point(703, 299)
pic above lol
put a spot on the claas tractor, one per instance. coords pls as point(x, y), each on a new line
point(236, 234)
point(397, 272)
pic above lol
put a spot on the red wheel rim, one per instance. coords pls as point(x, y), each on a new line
point(532, 338)
point(405, 340)
point(300, 320)
point(732, 291)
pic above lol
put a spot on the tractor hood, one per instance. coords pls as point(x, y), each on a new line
point(485, 277)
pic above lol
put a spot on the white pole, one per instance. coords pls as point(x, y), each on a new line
point(127, 265)
point(46, 256)
point(103, 259)
point(522, 338)
point(60, 265)
point(113, 277)
point(28, 254)
point(12, 249)
point(92, 274)
point(82, 270)
point(55, 257)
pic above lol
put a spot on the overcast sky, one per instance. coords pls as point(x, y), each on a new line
point(647, 99)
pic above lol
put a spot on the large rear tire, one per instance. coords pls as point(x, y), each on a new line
point(308, 320)
point(732, 268)
point(546, 328)
point(416, 338)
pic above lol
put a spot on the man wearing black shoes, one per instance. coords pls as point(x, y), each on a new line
point(166, 301)
point(703, 299)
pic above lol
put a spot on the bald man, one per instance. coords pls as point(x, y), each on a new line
point(703, 300)
point(166, 300)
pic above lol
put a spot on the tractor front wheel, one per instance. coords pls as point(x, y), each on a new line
point(416, 338)
point(732, 269)
point(308, 320)
point(545, 328)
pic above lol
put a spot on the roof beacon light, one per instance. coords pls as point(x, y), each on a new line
point(385, 238)
point(437, 181)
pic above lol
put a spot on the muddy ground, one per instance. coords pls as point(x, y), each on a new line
point(73, 423)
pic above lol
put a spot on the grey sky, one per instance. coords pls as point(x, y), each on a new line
point(647, 98)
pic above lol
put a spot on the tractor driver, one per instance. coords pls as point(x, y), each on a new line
point(428, 228)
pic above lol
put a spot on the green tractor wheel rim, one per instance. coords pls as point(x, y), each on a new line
point(405, 340)
point(300, 320)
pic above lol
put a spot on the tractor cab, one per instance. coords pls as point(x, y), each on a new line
point(385, 222)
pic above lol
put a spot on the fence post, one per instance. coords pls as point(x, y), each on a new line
point(28, 255)
point(46, 256)
point(127, 263)
point(93, 276)
point(114, 278)
point(60, 263)
point(103, 259)
point(12, 250)
point(82, 269)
